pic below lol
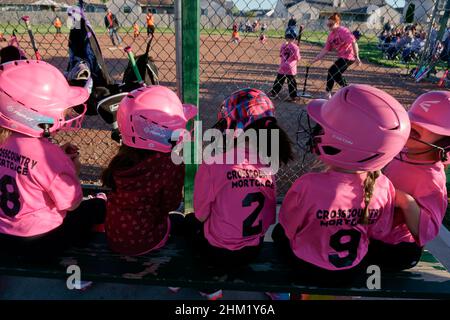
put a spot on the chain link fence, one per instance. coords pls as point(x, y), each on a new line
point(240, 44)
point(133, 29)
point(392, 37)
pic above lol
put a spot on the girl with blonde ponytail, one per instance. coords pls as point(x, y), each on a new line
point(327, 218)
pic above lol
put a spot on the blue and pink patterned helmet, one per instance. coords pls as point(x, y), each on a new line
point(244, 107)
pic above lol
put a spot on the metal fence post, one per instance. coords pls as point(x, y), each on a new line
point(178, 47)
point(444, 21)
point(190, 21)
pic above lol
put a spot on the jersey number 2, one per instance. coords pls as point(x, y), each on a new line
point(351, 246)
point(248, 229)
point(9, 198)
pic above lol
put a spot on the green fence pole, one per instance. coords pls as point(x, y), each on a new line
point(444, 20)
point(190, 22)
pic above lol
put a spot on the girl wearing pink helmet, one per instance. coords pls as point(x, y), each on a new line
point(418, 175)
point(235, 202)
point(326, 218)
point(40, 211)
point(146, 185)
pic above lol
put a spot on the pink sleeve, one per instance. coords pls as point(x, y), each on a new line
point(432, 212)
point(203, 193)
point(291, 216)
point(65, 190)
point(383, 226)
point(347, 36)
point(328, 43)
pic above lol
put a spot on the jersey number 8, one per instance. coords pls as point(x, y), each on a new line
point(9, 198)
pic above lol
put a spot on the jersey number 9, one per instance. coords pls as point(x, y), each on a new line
point(351, 246)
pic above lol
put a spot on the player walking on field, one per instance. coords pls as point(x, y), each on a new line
point(135, 30)
point(419, 178)
point(112, 24)
point(235, 35)
point(326, 218)
point(146, 184)
point(235, 203)
point(58, 25)
point(343, 41)
point(41, 207)
point(289, 55)
point(150, 23)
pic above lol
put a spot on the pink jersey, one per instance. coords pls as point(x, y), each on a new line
point(38, 183)
point(320, 215)
point(341, 40)
point(426, 184)
point(289, 54)
point(236, 201)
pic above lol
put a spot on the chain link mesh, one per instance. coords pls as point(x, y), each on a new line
point(250, 58)
point(94, 139)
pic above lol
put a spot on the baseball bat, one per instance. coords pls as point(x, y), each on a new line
point(134, 66)
point(300, 31)
point(442, 80)
point(306, 79)
point(26, 19)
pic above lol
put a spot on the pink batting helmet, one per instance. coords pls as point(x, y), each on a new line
point(363, 128)
point(431, 110)
point(35, 95)
point(148, 116)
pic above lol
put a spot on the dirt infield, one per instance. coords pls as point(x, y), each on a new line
point(224, 67)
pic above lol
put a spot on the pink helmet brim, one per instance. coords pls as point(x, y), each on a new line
point(190, 111)
point(414, 118)
point(77, 96)
point(314, 109)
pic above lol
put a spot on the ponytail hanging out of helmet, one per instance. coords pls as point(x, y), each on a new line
point(335, 17)
point(369, 187)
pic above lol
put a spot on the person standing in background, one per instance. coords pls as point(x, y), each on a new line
point(150, 23)
point(58, 24)
point(112, 25)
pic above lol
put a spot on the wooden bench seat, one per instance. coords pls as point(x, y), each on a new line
point(177, 266)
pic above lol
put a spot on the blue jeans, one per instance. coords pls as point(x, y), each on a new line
point(112, 33)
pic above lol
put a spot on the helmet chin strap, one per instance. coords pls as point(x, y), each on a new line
point(433, 148)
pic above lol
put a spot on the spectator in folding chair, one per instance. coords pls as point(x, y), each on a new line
point(393, 51)
point(415, 48)
point(248, 26)
point(264, 27)
point(387, 27)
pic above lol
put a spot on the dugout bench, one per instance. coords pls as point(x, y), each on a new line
point(176, 265)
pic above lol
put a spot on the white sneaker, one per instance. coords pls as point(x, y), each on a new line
point(212, 296)
point(174, 289)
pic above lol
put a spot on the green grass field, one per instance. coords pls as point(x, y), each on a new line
point(367, 44)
